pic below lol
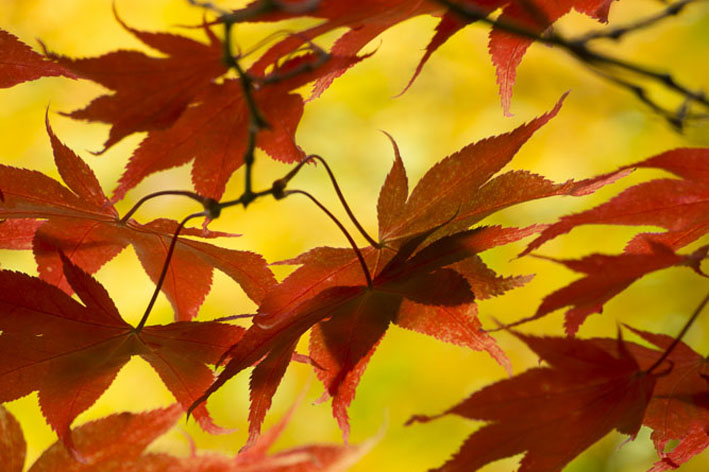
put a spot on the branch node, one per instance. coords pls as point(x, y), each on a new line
point(278, 188)
point(212, 208)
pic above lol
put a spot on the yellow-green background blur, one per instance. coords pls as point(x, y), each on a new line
point(453, 102)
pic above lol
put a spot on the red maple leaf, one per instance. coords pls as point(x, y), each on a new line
point(424, 276)
point(365, 20)
point(606, 276)
point(118, 442)
point(681, 206)
point(585, 392)
point(81, 222)
point(19, 63)
point(678, 205)
point(359, 316)
point(463, 188)
point(149, 92)
point(309, 458)
point(12, 443)
point(188, 115)
point(507, 49)
point(70, 352)
point(369, 18)
point(679, 409)
point(214, 131)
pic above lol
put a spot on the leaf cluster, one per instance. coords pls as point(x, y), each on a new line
point(62, 336)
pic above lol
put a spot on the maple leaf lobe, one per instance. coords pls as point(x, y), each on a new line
point(586, 391)
point(19, 63)
point(70, 352)
point(149, 92)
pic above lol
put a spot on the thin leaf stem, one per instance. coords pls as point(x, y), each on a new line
point(233, 317)
point(185, 193)
point(679, 337)
point(279, 186)
point(279, 75)
point(163, 274)
point(360, 257)
point(340, 195)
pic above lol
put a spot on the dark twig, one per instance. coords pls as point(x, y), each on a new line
point(163, 274)
point(209, 6)
point(248, 82)
point(256, 121)
point(676, 119)
point(360, 257)
point(621, 31)
point(660, 77)
point(256, 9)
point(242, 200)
point(256, 124)
point(579, 48)
point(679, 337)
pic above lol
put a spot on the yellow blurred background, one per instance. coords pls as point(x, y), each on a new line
point(452, 103)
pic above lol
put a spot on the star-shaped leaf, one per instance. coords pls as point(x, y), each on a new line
point(679, 409)
point(150, 92)
point(425, 275)
point(81, 222)
point(585, 391)
point(214, 131)
point(367, 19)
point(70, 352)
